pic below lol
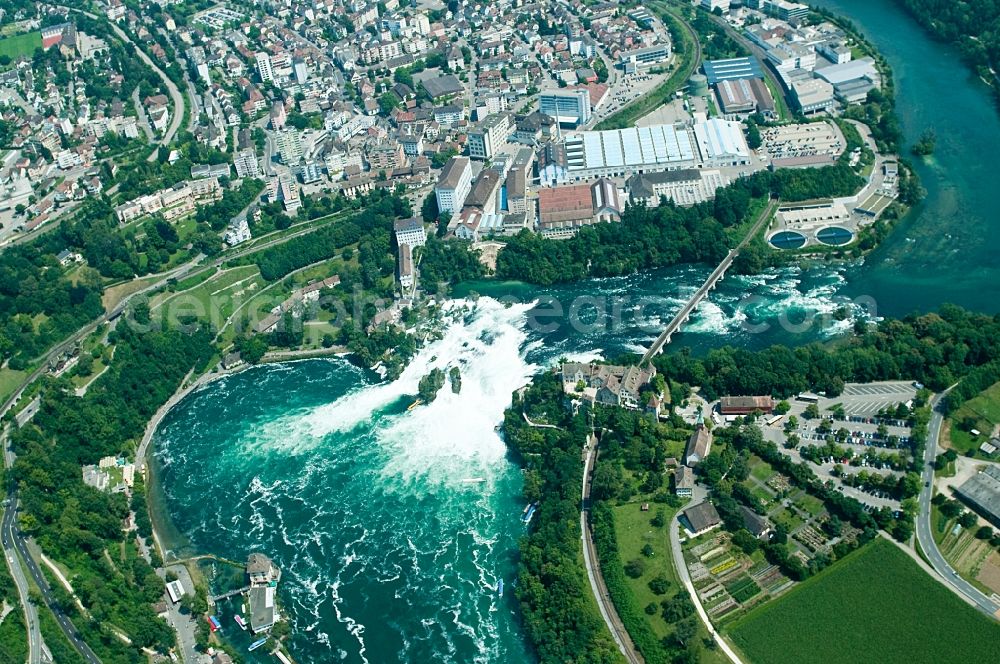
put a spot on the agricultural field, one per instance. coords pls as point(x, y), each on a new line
point(981, 413)
point(18, 45)
point(974, 559)
point(829, 618)
point(728, 581)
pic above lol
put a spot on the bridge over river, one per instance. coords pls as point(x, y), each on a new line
point(718, 273)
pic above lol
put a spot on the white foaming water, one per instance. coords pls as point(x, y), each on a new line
point(453, 437)
point(583, 356)
point(709, 318)
point(488, 346)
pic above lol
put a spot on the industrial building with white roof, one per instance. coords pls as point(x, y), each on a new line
point(622, 152)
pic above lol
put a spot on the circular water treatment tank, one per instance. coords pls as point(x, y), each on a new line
point(835, 236)
point(787, 240)
point(698, 85)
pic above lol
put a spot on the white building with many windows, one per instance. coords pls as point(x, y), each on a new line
point(264, 69)
point(454, 185)
point(410, 232)
point(246, 164)
point(568, 108)
point(490, 136)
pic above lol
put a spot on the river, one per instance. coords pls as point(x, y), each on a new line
point(392, 527)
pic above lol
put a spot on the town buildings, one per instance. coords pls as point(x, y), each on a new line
point(699, 445)
point(562, 211)
point(686, 186)
point(246, 164)
point(683, 482)
point(982, 493)
point(701, 518)
point(173, 203)
point(745, 405)
point(410, 232)
point(567, 107)
point(486, 140)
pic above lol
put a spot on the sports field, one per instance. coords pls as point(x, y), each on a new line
point(19, 45)
point(875, 606)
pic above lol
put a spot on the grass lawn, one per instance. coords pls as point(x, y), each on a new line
point(19, 45)
point(787, 519)
point(10, 380)
point(633, 531)
point(115, 294)
point(195, 279)
point(218, 296)
point(80, 381)
point(809, 503)
point(877, 605)
point(985, 410)
point(784, 113)
point(761, 469)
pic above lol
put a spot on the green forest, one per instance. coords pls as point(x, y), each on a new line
point(39, 306)
point(82, 527)
point(937, 349)
point(552, 588)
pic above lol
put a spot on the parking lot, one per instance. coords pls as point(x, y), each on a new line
point(863, 441)
point(627, 90)
point(862, 399)
point(869, 398)
point(800, 141)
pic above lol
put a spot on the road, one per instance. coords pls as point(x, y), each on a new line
point(604, 603)
point(924, 533)
point(12, 537)
point(682, 316)
point(682, 573)
point(16, 571)
point(143, 122)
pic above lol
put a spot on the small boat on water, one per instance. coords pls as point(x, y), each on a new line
point(239, 621)
point(257, 644)
point(473, 480)
point(414, 405)
point(499, 587)
point(529, 512)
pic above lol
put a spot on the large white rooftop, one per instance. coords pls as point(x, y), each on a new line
point(720, 139)
point(632, 147)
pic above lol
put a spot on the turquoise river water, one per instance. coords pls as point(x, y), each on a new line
point(392, 527)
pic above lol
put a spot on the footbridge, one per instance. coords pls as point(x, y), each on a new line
point(232, 593)
point(717, 275)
